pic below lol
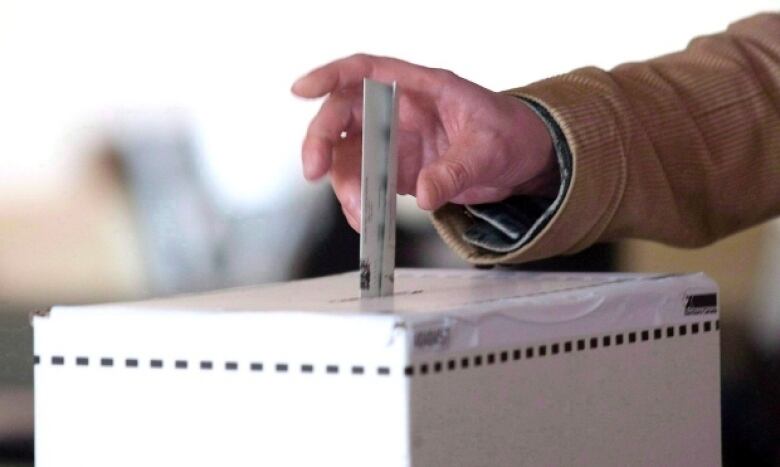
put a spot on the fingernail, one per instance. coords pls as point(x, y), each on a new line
point(354, 223)
point(308, 172)
point(425, 194)
point(296, 85)
point(310, 160)
point(354, 207)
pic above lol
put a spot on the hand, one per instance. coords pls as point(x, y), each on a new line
point(457, 141)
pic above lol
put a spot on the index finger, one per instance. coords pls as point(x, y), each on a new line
point(350, 71)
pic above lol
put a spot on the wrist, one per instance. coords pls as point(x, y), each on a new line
point(537, 150)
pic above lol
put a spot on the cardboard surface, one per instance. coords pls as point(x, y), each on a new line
point(458, 368)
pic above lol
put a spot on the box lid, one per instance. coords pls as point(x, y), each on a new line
point(452, 309)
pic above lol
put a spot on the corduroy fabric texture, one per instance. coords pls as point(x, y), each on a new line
point(682, 149)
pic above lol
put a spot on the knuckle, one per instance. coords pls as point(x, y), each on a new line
point(444, 75)
point(457, 174)
point(314, 123)
point(360, 57)
point(360, 63)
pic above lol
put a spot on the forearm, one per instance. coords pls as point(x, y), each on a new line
point(682, 149)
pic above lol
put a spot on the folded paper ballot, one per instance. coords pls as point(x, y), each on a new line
point(457, 368)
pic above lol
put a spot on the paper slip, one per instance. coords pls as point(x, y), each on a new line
point(378, 189)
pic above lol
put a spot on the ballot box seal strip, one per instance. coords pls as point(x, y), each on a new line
point(462, 362)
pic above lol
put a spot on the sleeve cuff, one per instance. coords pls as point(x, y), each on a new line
point(508, 225)
point(588, 107)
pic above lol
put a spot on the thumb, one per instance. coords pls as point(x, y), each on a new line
point(450, 175)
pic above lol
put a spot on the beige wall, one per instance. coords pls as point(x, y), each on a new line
point(732, 262)
point(73, 244)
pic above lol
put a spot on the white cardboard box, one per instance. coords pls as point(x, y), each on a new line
point(459, 368)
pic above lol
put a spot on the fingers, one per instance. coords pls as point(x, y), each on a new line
point(409, 156)
point(345, 178)
point(452, 174)
point(350, 71)
point(339, 113)
point(352, 221)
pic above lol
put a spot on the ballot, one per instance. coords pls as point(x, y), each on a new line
point(379, 173)
point(456, 368)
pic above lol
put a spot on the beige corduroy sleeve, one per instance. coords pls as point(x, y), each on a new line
point(682, 149)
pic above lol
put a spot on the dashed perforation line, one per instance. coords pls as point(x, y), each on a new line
point(464, 362)
point(254, 366)
point(576, 345)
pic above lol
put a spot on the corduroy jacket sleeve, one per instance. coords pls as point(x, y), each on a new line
point(682, 149)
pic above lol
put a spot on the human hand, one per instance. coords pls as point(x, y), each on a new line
point(457, 141)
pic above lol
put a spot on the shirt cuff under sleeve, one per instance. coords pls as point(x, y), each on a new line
point(510, 224)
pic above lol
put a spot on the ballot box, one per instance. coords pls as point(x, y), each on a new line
point(457, 368)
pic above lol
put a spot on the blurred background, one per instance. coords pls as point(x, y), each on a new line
point(150, 148)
